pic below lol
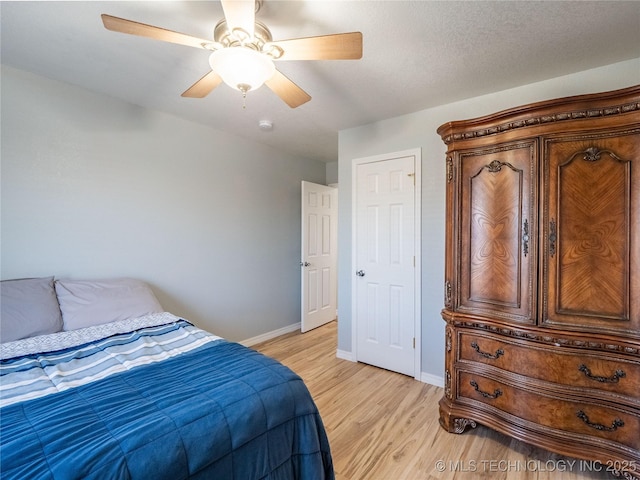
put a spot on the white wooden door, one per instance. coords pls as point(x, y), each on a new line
point(319, 255)
point(385, 275)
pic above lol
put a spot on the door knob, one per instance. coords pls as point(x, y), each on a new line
point(360, 273)
point(304, 264)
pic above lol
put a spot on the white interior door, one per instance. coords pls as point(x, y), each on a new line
point(319, 255)
point(386, 247)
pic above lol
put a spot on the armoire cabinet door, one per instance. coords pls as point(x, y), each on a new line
point(498, 231)
point(591, 230)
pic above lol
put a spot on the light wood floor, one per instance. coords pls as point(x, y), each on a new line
point(384, 426)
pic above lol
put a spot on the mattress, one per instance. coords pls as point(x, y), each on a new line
point(155, 397)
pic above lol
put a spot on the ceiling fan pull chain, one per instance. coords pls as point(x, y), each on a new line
point(244, 89)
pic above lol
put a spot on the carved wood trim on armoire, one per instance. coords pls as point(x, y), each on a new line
point(542, 276)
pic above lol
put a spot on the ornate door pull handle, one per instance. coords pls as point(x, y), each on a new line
point(612, 379)
point(553, 236)
point(525, 238)
point(495, 356)
point(496, 393)
point(598, 426)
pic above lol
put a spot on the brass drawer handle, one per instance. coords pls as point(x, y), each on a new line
point(598, 426)
point(495, 356)
point(496, 393)
point(613, 379)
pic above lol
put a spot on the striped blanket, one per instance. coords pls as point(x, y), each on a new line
point(154, 398)
point(57, 362)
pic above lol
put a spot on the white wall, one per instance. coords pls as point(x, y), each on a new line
point(418, 130)
point(93, 187)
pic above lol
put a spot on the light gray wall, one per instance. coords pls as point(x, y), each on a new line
point(418, 130)
point(332, 172)
point(93, 187)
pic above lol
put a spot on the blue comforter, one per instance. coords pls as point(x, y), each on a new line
point(215, 410)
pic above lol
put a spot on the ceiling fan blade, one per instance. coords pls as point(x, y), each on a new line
point(240, 14)
point(288, 91)
point(204, 86)
point(122, 25)
point(340, 46)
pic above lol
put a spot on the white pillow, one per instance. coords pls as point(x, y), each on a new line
point(85, 303)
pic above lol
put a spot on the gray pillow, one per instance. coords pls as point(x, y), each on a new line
point(85, 303)
point(28, 307)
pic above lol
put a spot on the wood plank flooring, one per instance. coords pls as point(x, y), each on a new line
point(384, 426)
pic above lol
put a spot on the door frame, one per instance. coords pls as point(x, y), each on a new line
point(417, 278)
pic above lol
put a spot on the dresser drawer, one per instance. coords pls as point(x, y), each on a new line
point(621, 426)
point(554, 364)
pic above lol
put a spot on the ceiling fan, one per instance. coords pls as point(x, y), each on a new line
point(243, 51)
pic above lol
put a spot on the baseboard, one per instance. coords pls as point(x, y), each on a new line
point(432, 379)
point(269, 335)
point(344, 355)
point(424, 377)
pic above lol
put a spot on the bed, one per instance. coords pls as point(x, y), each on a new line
point(142, 395)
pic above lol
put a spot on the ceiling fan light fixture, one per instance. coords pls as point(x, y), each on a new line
point(242, 68)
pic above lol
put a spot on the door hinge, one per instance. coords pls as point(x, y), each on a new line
point(414, 342)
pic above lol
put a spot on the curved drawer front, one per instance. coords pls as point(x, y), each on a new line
point(562, 414)
point(554, 364)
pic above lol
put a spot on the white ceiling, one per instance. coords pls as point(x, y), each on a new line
point(417, 54)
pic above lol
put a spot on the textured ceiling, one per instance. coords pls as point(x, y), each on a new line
point(417, 54)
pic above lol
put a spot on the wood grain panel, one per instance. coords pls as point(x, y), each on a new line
point(562, 414)
point(604, 376)
point(592, 200)
point(593, 236)
point(496, 193)
point(496, 208)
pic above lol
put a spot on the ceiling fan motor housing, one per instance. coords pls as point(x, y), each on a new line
point(260, 42)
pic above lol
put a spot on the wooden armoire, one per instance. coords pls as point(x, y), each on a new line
point(542, 276)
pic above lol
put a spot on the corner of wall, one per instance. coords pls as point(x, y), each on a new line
point(344, 355)
point(432, 379)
